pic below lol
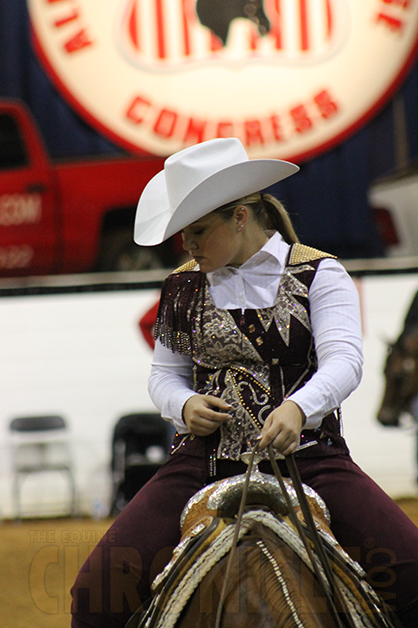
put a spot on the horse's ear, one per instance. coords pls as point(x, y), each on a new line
point(388, 343)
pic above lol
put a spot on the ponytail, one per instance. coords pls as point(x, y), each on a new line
point(268, 212)
point(278, 218)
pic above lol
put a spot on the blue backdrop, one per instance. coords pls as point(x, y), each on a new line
point(327, 199)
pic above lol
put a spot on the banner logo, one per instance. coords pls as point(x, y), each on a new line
point(158, 36)
point(290, 78)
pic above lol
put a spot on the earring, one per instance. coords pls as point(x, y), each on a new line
point(240, 228)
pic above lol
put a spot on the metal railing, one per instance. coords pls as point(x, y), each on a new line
point(152, 279)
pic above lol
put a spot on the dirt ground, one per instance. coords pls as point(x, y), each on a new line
point(40, 558)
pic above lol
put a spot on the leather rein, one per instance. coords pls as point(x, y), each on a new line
point(327, 582)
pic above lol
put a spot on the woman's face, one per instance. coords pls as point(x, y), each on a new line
point(214, 242)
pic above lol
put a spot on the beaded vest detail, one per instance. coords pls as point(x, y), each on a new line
point(254, 358)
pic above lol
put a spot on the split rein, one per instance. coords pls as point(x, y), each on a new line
point(327, 582)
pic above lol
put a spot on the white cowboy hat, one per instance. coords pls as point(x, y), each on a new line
point(197, 180)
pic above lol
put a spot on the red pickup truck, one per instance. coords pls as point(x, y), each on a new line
point(68, 216)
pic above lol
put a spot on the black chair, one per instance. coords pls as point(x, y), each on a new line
point(40, 444)
point(140, 445)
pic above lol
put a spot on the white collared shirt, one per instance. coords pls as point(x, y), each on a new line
point(336, 328)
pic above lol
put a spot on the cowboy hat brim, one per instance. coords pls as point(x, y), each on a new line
point(156, 221)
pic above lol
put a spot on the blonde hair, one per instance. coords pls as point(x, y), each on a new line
point(269, 212)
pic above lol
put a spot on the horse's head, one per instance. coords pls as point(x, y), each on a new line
point(401, 378)
point(217, 15)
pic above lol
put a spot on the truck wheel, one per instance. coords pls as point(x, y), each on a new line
point(120, 253)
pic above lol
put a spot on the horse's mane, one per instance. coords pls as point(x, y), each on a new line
point(260, 549)
point(411, 318)
point(263, 562)
point(283, 576)
point(410, 324)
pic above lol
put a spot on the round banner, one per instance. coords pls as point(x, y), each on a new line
point(289, 78)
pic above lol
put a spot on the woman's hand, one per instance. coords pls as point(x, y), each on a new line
point(203, 414)
point(283, 427)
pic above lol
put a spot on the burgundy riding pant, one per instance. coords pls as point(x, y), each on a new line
point(115, 579)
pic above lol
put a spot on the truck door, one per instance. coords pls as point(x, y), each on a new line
point(28, 227)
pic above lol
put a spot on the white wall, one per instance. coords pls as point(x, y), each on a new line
point(387, 454)
point(82, 356)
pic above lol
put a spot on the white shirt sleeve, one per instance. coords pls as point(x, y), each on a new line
point(171, 384)
point(336, 328)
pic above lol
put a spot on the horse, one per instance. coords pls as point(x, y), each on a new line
point(401, 372)
point(257, 550)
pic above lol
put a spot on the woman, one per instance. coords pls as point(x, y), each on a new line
point(259, 334)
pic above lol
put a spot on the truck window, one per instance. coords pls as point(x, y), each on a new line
point(12, 148)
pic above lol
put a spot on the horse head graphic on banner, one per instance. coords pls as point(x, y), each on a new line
point(171, 34)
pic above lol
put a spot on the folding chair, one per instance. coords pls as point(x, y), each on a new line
point(40, 444)
point(140, 445)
